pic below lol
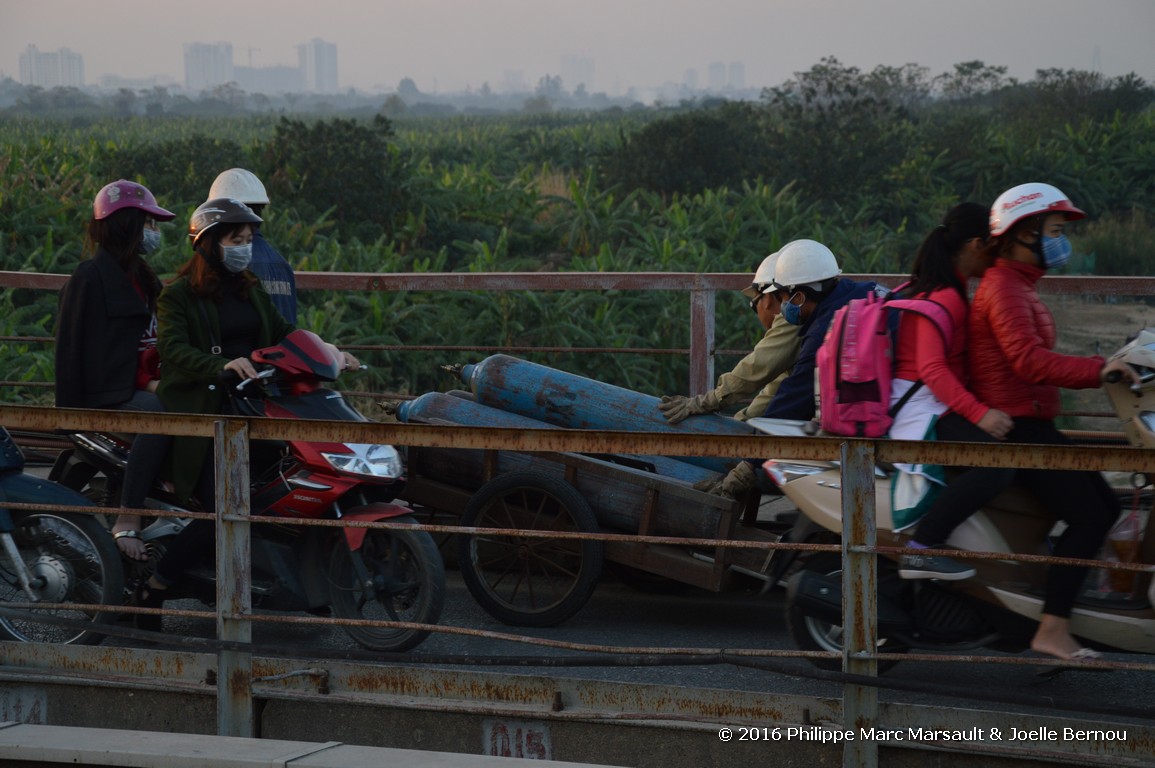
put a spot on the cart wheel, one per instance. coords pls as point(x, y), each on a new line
point(524, 581)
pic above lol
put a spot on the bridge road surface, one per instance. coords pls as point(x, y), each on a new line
point(618, 615)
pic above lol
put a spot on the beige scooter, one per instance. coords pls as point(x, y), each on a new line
point(998, 608)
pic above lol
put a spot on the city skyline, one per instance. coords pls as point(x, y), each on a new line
point(458, 45)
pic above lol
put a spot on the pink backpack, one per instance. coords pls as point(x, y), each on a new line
point(856, 363)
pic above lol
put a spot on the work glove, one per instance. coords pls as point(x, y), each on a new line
point(735, 485)
point(677, 407)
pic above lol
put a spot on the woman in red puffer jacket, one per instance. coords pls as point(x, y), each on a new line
point(1013, 367)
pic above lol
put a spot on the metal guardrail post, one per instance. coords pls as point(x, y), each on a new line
point(860, 599)
point(702, 325)
point(234, 668)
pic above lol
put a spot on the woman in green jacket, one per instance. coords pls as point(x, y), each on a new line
point(211, 319)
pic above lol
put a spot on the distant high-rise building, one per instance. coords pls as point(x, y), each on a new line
point(690, 79)
point(318, 62)
point(577, 70)
point(737, 79)
point(51, 69)
point(207, 65)
point(716, 76)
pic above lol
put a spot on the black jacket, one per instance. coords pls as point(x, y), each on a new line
point(101, 321)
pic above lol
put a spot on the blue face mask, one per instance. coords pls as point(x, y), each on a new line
point(150, 241)
point(236, 258)
point(1054, 252)
point(792, 312)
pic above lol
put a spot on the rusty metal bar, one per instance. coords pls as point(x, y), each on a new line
point(234, 599)
point(587, 441)
point(1059, 285)
point(702, 323)
point(860, 600)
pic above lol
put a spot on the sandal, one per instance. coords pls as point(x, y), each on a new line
point(1070, 664)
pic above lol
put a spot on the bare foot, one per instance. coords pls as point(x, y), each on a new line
point(126, 533)
point(1054, 638)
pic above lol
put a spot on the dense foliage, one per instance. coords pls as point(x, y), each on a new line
point(866, 162)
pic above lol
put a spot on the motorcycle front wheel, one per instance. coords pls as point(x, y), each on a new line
point(405, 582)
point(70, 559)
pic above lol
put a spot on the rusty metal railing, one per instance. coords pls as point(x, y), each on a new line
point(858, 457)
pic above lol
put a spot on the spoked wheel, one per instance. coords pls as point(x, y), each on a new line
point(813, 634)
point(70, 559)
point(528, 581)
point(404, 581)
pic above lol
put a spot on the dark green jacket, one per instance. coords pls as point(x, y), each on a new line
point(189, 381)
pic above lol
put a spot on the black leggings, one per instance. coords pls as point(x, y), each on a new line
point(198, 539)
point(1082, 500)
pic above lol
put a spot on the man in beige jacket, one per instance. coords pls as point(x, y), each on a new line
point(763, 369)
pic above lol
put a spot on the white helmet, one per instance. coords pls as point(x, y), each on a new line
point(805, 263)
point(763, 278)
point(239, 184)
point(1025, 200)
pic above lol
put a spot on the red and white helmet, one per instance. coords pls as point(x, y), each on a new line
point(1031, 199)
point(127, 194)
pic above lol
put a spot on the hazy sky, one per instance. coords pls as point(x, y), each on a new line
point(446, 45)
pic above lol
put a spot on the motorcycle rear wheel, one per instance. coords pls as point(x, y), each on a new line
point(813, 634)
point(408, 584)
point(72, 559)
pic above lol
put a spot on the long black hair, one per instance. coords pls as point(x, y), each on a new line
point(935, 263)
point(121, 233)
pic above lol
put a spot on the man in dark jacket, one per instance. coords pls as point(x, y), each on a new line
point(811, 292)
point(273, 270)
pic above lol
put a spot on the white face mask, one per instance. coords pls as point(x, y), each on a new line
point(236, 258)
point(150, 242)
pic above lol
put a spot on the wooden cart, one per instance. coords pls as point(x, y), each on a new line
point(530, 581)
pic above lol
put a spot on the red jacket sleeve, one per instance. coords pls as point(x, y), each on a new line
point(936, 372)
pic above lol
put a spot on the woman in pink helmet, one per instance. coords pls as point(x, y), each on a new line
point(107, 329)
point(1013, 367)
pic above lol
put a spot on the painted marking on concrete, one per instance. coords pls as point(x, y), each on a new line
point(516, 738)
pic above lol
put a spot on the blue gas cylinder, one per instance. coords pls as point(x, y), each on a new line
point(576, 402)
point(433, 407)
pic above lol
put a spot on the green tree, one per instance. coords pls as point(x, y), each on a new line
point(691, 152)
point(350, 167)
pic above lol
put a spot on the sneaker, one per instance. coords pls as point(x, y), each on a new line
point(926, 567)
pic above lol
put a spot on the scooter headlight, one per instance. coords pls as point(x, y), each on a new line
point(380, 461)
point(782, 472)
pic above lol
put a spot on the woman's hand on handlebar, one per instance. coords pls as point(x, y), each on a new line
point(242, 367)
point(351, 363)
point(1117, 370)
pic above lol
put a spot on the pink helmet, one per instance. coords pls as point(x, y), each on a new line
point(127, 194)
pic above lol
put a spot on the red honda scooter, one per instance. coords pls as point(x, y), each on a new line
point(358, 573)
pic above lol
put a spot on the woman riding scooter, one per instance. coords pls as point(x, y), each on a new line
point(211, 319)
point(1013, 367)
point(956, 250)
point(106, 335)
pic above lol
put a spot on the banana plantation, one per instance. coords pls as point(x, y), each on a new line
point(866, 162)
